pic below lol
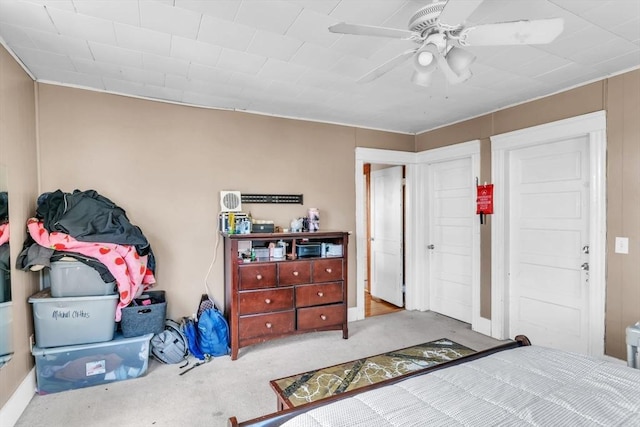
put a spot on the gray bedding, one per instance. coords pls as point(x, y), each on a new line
point(527, 386)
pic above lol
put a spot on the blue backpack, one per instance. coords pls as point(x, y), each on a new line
point(190, 331)
point(208, 336)
point(213, 333)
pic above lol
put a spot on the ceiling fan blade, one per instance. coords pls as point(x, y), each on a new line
point(455, 12)
point(368, 30)
point(387, 66)
point(540, 31)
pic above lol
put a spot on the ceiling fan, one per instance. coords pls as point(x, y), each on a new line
point(438, 28)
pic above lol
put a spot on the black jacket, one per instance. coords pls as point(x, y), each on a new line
point(89, 217)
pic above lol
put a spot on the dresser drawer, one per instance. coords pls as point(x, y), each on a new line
point(327, 270)
point(255, 276)
point(265, 301)
point(326, 293)
point(263, 325)
point(320, 317)
point(294, 272)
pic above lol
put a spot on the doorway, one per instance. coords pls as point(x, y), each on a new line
point(549, 271)
point(384, 288)
point(414, 292)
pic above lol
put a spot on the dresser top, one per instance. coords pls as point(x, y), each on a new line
point(300, 235)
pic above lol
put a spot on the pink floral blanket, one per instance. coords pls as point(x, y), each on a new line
point(127, 267)
point(4, 233)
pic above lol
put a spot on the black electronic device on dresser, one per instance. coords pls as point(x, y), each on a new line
point(308, 250)
point(276, 297)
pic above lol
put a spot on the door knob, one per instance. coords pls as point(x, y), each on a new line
point(431, 247)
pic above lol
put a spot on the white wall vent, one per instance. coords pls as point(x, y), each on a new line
point(230, 201)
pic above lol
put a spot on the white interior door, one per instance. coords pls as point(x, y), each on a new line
point(548, 200)
point(450, 242)
point(386, 235)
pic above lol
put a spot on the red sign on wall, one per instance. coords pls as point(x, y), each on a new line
point(484, 202)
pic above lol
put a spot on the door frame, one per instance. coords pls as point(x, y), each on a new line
point(416, 289)
point(593, 126)
point(470, 150)
point(389, 157)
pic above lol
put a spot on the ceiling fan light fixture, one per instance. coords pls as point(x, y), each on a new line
point(459, 60)
point(424, 61)
point(435, 27)
point(422, 78)
point(424, 58)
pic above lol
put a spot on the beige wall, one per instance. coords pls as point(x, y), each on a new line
point(166, 164)
point(620, 97)
point(18, 154)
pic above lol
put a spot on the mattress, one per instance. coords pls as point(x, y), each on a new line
point(526, 386)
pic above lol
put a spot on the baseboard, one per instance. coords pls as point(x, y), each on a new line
point(614, 360)
point(354, 313)
point(482, 325)
point(17, 403)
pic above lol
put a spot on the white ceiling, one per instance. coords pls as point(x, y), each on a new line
point(278, 58)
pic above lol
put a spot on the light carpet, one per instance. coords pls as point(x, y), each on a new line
point(209, 394)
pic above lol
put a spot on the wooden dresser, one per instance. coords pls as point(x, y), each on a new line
point(269, 298)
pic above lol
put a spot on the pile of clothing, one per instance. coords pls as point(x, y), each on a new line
point(91, 229)
point(5, 270)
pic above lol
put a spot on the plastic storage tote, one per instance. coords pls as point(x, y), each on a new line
point(73, 320)
point(78, 366)
point(146, 315)
point(633, 344)
point(76, 279)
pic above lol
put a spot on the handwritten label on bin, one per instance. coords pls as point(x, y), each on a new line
point(70, 314)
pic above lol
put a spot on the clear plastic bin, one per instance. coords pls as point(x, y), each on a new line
point(71, 367)
point(633, 344)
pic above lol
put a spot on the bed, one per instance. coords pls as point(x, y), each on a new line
point(514, 384)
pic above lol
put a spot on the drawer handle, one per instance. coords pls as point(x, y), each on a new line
point(259, 277)
point(320, 294)
point(328, 270)
point(323, 317)
point(295, 273)
point(267, 301)
point(268, 325)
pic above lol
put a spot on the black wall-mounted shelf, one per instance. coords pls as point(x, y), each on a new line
point(272, 198)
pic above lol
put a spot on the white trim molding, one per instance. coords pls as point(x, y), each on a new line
point(19, 400)
point(593, 127)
